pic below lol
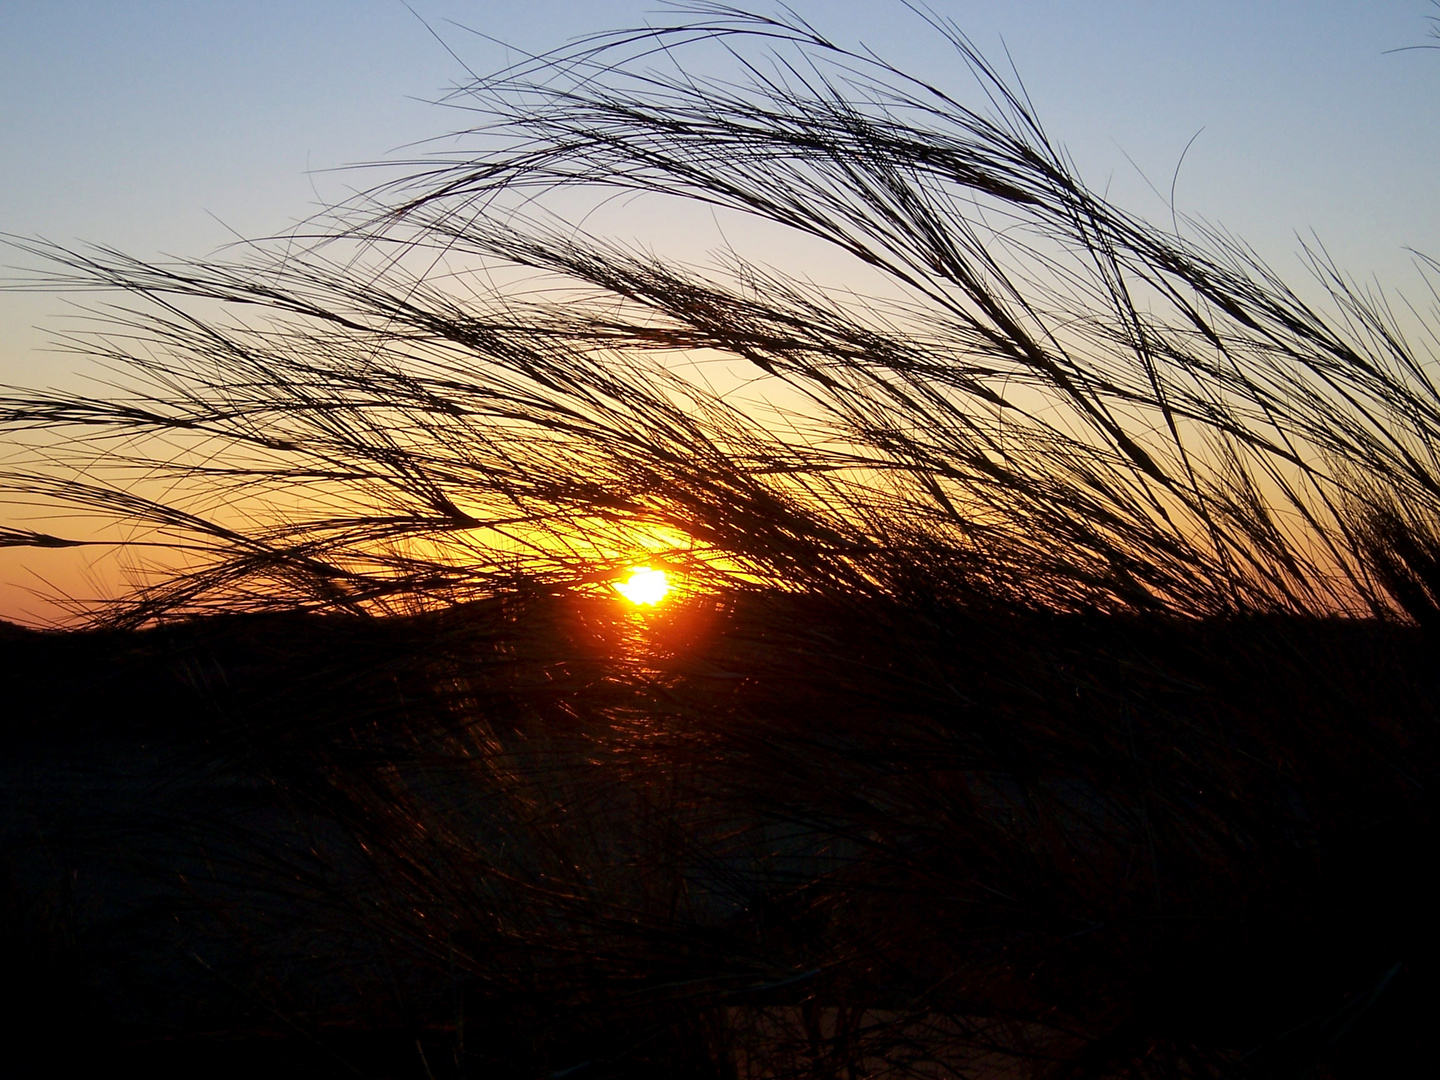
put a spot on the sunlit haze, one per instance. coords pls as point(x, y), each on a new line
point(645, 586)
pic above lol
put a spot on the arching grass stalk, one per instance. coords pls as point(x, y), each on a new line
point(1056, 405)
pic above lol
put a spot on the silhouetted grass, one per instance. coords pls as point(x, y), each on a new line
point(1054, 695)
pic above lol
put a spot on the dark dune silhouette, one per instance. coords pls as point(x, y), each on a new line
point(536, 832)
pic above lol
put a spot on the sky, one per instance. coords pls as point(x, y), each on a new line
point(163, 127)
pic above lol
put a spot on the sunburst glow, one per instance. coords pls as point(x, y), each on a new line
point(645, 585)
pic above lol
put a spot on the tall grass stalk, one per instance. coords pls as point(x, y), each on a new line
point(1057, 405)
point(1048, 696)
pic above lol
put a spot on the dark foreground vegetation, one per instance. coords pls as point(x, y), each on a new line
point(756, 836)
point(1050, 690)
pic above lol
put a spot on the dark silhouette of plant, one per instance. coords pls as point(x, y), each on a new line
point(1050, 692)
point(1056, 405)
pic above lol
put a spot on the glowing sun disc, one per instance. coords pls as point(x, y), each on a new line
point(644, 586)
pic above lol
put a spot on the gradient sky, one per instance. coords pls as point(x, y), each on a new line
point(161, 126)
point(171, 127)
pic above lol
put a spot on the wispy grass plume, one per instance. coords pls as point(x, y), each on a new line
point(1054, 404)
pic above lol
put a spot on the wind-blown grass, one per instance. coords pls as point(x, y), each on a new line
point(1060, 406)
point(1013, 714)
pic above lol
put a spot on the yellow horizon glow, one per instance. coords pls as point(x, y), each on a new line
point(645, 586)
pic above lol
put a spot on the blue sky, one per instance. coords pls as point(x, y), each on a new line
point(171, 127)
point(168, 127)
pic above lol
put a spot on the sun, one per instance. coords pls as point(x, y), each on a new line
point(644, 586)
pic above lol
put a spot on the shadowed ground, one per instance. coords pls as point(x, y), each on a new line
point(752, 836)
